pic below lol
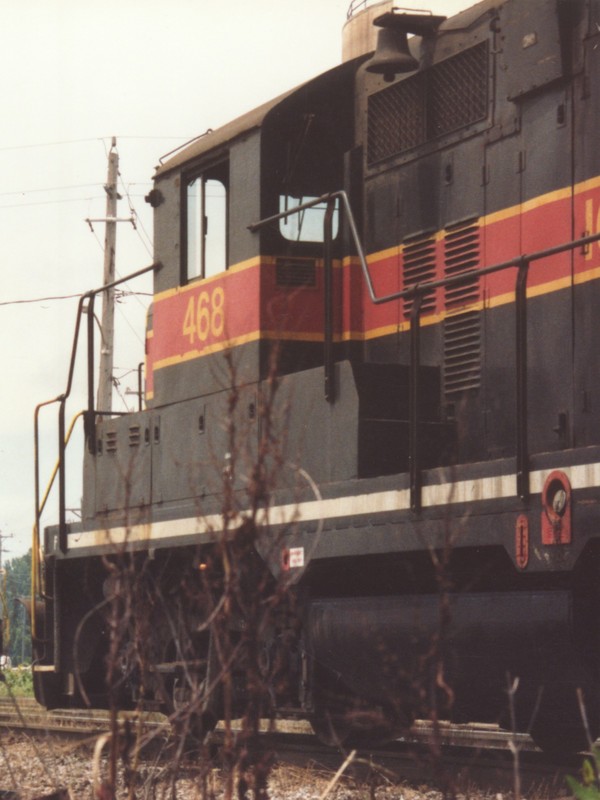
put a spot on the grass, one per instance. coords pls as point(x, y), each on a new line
point(18, 682)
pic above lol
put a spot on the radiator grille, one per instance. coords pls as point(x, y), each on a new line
point(396, 119)
point(418, 267)
point(438, 101)
point(458, 91)
point(462, 326)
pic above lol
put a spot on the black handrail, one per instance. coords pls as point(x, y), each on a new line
point(521, 365)
point(62, 400)
point(414, 462)
point(328, 301)
point(417, 292)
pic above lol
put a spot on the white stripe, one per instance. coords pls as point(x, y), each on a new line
point(581, 476)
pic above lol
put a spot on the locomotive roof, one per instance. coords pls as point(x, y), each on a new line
point(247, 122)
point(255, 118)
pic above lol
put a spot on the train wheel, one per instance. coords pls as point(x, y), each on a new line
point(352, 725)
point(559, 741)
point(341, 718)
point(196, 694)
point(559, 730)
point(193, 718)
point(332, 729)
point(562, 739)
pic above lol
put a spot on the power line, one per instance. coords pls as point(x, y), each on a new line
point(148, 243)
point(53, 189)
point(47, 144)
point(81, 141)
point(51, 202)
point(51, 298)
point(38, 299)
point(25, 192)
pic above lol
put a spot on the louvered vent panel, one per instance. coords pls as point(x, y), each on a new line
point(462, 327)
point(462, 353)
point(461, 254)
point(134, 436)
point(432, 103)
point(296, 272)
point(111, 441)
point(418, 267)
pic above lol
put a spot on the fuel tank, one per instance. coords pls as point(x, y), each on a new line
point(392, 650)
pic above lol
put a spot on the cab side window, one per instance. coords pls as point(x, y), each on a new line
point(206, 223)
point(307, 225)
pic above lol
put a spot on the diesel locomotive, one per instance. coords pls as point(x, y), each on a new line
point(371, 343)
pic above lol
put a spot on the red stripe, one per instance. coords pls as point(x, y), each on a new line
point(240, 306)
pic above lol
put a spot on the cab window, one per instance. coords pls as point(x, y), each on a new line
point(307, 225)
point(206, 224)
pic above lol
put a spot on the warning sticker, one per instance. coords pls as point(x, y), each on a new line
point(296, 557)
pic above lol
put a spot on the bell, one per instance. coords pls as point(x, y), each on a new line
point(392, 55)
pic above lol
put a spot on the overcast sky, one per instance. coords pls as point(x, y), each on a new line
point(75, 73)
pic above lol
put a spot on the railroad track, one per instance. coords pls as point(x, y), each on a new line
point(26, 714)
point(483, 755)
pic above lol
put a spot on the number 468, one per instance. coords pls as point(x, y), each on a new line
point(205, 315)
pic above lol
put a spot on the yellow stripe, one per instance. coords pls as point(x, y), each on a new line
point(587, 186)
point(189, 287)
point(501, 300)
point(236, 268)
point(588, 275)
point(390, 252)
point(385, 330)
point(547, 288)
point(496, 216)
point(396, 250)
point(303, 336)
point(190, 355)
point(348, 261)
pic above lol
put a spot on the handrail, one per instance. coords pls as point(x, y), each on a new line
point(427, 286)
point(354, 7)
point(358, 5)
point(328, 356)
point(62, 399)
point(417, 292)
point(36, 577)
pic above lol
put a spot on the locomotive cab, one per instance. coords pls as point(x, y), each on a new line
point(271, 160)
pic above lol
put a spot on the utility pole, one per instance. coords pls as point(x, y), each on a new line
point(105, 378)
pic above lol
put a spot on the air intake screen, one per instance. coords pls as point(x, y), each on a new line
point(438, 101)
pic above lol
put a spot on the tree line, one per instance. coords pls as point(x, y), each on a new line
point(16, 583)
